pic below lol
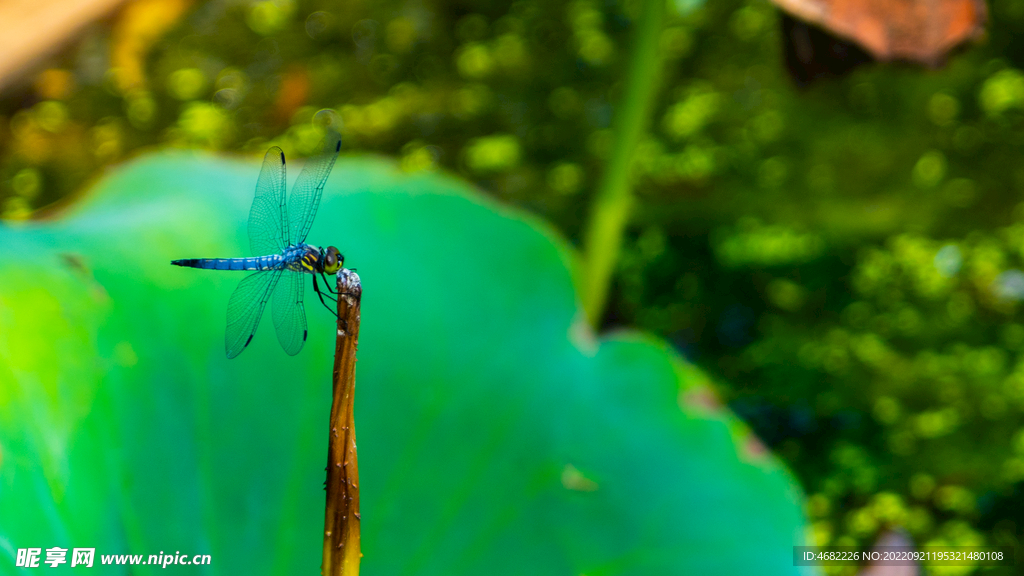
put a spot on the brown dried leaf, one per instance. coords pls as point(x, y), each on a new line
point(919, 30)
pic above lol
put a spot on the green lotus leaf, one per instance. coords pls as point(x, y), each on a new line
point(497, 435)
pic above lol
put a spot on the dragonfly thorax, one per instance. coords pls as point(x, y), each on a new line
point(313, 260)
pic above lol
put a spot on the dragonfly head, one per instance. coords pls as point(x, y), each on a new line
point(333, 260)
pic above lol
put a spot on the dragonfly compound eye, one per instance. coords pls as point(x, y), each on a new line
point(333, 260)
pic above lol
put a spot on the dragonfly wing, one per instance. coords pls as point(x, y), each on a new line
point(245, 308)
point(308, 188)
point(290, 313)
point(268, 217)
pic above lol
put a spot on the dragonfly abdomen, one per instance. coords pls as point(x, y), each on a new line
point(272, 262)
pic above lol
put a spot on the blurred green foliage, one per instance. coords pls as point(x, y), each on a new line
point(497, 435)
point(847, 257)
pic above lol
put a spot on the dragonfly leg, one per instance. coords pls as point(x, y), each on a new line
point(316, 288)
point(328, 284)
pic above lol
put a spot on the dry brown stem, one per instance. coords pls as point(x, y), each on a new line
point(341, 522)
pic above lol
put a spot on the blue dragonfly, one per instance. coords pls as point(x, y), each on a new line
point(277, 234)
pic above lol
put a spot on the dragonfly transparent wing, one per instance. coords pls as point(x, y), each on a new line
point(289, 312)
point(309, 187)
point(268, 217)
point(245, 308)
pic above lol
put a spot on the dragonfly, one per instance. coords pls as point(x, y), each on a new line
point(277, 240)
